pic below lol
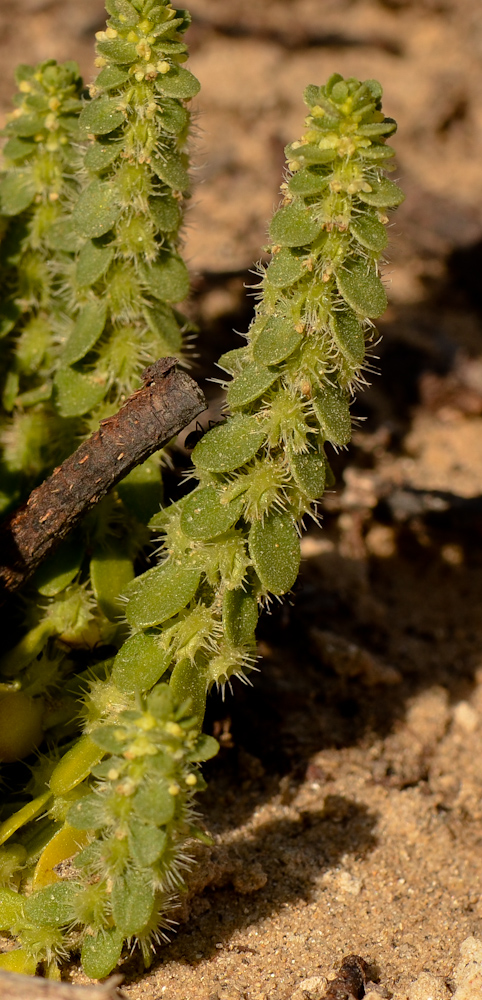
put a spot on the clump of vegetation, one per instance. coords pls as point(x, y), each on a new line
point(97, 824)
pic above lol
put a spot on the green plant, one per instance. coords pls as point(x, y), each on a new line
point(115, 800)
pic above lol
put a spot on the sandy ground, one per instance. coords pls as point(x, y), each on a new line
point(346, 803)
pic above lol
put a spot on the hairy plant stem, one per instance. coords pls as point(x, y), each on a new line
point(119, 801)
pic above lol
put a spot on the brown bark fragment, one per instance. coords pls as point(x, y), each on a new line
point(350, 982)
point(168, 401)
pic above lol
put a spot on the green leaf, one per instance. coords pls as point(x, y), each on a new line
point(339, 92)
point(63, 236)
point(172, 171)
point(154, 803)
point(88, 813)
point(188, 680)
point(55, 574)
point(117, 50)
point(168, 27)
point(10, 390)
point(140, 663)
point(311, 95)
point(160, 593)
point(167, 279)
point(160, 703)
point(362, 290)
point(333, 412)
point(370, 232)
point(386, 127)
point(17, 191)
point(23, 72)
point(70, 123)
point(101, 155)
point(274, 547)
point(36, 102)
point(112, 739)
point(18, 149)
point(234, 361)
point(240, 616)
point(309, 472)
point(101, 116)
point(293, 226)
point(178, 82)
point(76, 394)
point(204, 748)
point(92, 263)
point(11, 909)
point(253, 381)
point(307, 182)
point(162, 321)
point(170, 48)
point(111, 570)
point(374, 88)
point(123, 9)
point(348, 335)
point(204, 515)
point(383, 194)
point(229, 445)
point(112, 77)
point(26, 126)
point(277, 341)
point(173, 117)
point(53, 905)
point(377, 152)
point(146, 843)
point(132, 899)
point(101, 952)
point(330, 84)
point(97, 209)
point(87, 330)
point(285, 268)
point(166, 213)
point(33, 396)
point(308, 153)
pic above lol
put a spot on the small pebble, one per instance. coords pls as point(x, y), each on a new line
point(310, 989)
point(465, 717)
point(428, 987)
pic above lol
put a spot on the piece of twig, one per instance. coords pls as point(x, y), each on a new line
point(16, 987)
point(168, 401)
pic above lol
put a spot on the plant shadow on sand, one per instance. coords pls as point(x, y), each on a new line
point(295, 853)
